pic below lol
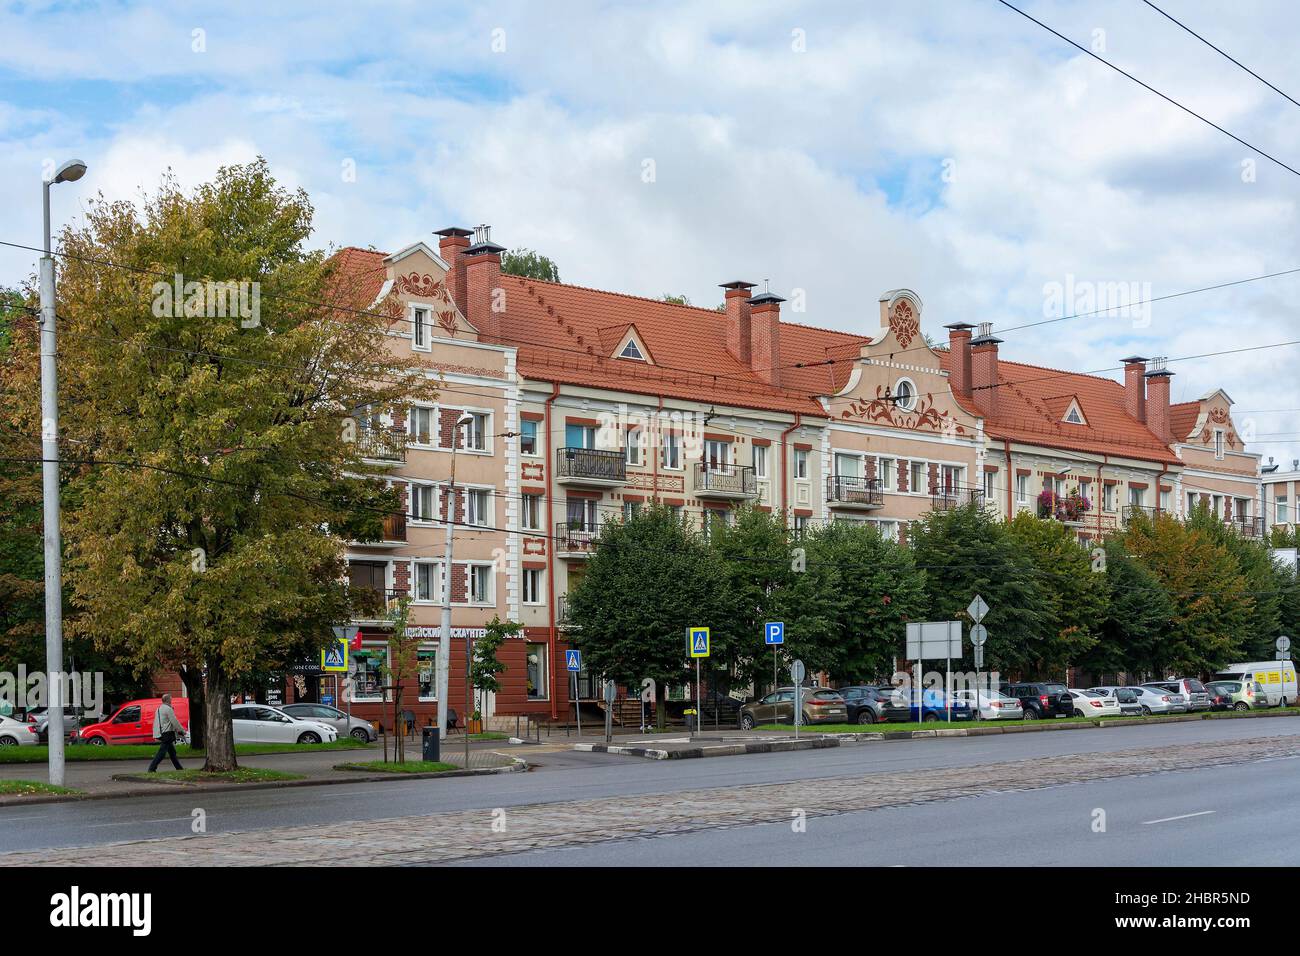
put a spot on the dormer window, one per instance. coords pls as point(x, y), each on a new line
point(1074, 414)
point(630, 351)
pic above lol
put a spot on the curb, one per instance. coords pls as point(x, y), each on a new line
point(519, 765)
point(984, 729)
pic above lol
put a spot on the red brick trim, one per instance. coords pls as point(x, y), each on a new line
point(1138, 484)
point(593, 422)
point(803, 512)
point(532, 490)
point(573, 493)
point(675, 502)
point(1024, 471)
point(762, 508)
point(1110, 481)
point(715, 505)
point(534, 565)
point(760, 441)
point(634, 497)
point(718, 436)
point(991, 469)
point(532, 416)
point(800, 446)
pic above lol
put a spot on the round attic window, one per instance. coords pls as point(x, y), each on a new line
point(905, 394)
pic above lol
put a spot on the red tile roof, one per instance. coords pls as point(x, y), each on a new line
point(1182, 418)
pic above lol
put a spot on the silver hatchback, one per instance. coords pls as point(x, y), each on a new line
point(353, 727)
point(1193, 691)
point(1157, 700)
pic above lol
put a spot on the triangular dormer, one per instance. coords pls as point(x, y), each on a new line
point(632, 348)
point(1074, 414)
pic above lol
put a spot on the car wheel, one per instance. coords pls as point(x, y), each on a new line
point(1030, 714)
point(360, 733)
point(930, 718)
point(866, 716)
point(97, 741)
point(309, 738)
point(8, 742)
point(1079, 713)
point(806, 719)
point(746, 721)
point(1146, 711)
point(1241, 705)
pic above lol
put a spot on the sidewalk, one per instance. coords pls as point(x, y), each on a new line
point(96, 778)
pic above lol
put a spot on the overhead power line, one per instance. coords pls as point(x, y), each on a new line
point(1146, 86)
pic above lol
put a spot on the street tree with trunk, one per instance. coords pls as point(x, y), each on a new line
point(214, 469)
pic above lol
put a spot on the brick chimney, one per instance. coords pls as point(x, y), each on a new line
point(451, 246)
point(765, 336)
point(959, 350)
point(984, 369)
point(1157, 401)
point(738, 328)
point(484, 298)
point(1135, 386)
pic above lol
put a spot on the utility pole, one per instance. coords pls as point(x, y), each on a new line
point(69, 172)
point(444, 643)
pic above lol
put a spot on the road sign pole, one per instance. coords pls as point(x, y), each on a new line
point(698, 698)
point(577, 710)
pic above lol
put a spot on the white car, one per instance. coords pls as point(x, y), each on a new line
point(1093, 703)
point(995, 705)
point(15, 733)
point(260, 724)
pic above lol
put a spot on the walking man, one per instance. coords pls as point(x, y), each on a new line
point(165, 729)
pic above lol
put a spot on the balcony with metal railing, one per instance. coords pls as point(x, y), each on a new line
point(849, 491)
point(393, 534)
point(576, 539)
point(956, 496)
point(590, 466)
point(733, 482)
point(382, 446)
point(375, 606)
point(1144, 512)
point(1247, 526)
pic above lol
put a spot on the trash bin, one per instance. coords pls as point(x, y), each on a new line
point(431, 745)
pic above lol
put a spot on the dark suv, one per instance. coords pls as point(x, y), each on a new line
point(1041, 700)
point(866, 704)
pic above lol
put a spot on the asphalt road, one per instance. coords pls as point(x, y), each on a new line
point(1245, 800)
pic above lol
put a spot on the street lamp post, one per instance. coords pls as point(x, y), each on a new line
point(69, 172)
point(444, 644)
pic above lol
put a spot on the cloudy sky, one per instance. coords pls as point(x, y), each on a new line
point(842, 149)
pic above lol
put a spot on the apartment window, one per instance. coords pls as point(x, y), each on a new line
point(480, 584)
point(1022, 488)
point(917, 483)
point(426, 581)
point(579, 436)
point(420, 328)
point(632, 445)
point(419, 425)
point(1108, 497)
point(580, 513)
point(372, 575)
point(1191, 502)
point(1218, 443)
point(760, 461)
point(477, 506)
point(532, 585)
point(535, 670)
point(631, 509)
point(951, 476)
point(1243, 509)
point(888, 530)
point(718, 455)
point(990, 487)
point(801, 463)
point(428, 673)
point(1281, 511)
point(670, 455)
point(1136, 496)
point(528, 437)
point(423, 503)
point(1164, 500)
point(885, 472)
point(800, 525)
point(476, 431)
point(848, 466)
point(530, 517)
point(905, 395)
point(676, 512)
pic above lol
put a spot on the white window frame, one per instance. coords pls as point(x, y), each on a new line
point(921, 487)
point(760, 461)
point(1022, 489)
point(1108, 497)
point(537, 437)
point(911, 386)
point(470, 570)
point(472, 512)
point(533, 503)
point(535, 593)
point(800, 464)
point(481, 426)
point(413, 436)
point(670, 451)
point(435, 572)
point(461, 411)
point(634, 446)
point(990, 486)
point(887, 474)
point(1220, 444)
point(414, 515)
point(420, 323)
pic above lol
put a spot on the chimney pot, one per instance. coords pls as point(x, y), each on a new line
point(959, 350)
point(1135, 386)
point(1157, 401)
point(984, 370)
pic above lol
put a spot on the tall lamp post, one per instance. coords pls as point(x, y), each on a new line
point(444, 644)
point(69, 172)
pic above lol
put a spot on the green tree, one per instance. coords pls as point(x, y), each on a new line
point(675, 299)
point(215, 479)
point(1137, 618)
point(965, 552)
point(486, 667)
point(530, 265)
point(1073, 594)
point(1254, 561)
point(647, 581)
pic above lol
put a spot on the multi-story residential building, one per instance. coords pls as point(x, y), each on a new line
point(595, 403)
point(1279, 495)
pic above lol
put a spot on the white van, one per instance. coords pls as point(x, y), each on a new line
point(1276, 677)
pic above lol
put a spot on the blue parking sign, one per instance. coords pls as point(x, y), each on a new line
point(774, 632)
point(573, 661)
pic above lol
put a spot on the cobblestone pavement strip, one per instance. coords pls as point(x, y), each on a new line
point(467, 834)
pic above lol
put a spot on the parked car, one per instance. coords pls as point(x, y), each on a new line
point(1237, 695)
point(820, 706)
point(925, 706)
point(865, 704)
point(39, 718)
point(132, 723)
point(994, 705)
point(1041, 700)
point(1091, 703)
point(1193, 691)
point(1129, 700)
point(1276, 677)
point(17, 733)
point(345, 726)
point(1157, 701)
point(260, 724)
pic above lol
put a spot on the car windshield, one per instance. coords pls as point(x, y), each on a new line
point(1225, 687)
point(1054, 688)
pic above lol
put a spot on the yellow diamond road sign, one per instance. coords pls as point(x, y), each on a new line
point(697, 641)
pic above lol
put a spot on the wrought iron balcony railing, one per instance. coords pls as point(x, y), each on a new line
point(851, 491)
point(729, 481)
point(591, 464)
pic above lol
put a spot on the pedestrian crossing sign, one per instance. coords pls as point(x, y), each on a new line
point(573, 660)
point(334, 659)
point(697, 641)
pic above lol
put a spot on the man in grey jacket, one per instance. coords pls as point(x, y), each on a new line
point(166, 727)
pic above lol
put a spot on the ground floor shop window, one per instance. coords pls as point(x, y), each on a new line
point(369, 680)
point(535, 658)
point(428, 661)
